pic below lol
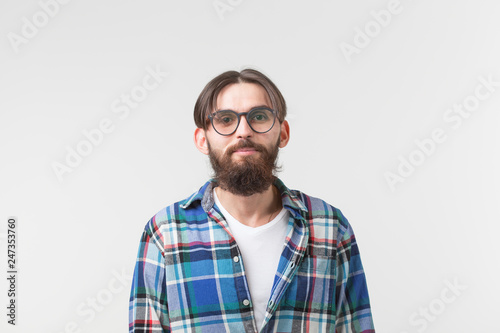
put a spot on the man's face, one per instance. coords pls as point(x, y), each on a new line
point(244, 161)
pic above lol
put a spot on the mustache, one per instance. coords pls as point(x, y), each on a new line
point(245, 143)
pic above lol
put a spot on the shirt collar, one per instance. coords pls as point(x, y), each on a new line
point(205, 197)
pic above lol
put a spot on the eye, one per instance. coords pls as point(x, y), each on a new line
point(260, 115)
point(225, 118)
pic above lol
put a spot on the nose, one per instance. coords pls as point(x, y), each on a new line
point(243, 130)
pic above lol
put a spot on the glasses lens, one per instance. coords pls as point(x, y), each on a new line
point(225, 122)
point(261, 120)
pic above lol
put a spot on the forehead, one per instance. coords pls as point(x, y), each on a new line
point(242, 97)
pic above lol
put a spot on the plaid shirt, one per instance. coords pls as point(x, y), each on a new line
point(189, 275)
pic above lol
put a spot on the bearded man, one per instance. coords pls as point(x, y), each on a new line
point(245, 253)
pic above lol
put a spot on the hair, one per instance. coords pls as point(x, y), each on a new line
point(207, 101)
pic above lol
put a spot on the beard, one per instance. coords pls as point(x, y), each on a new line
point(251, 174)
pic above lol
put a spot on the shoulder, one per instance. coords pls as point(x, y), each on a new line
point(318, 209)
point(177, 213)
point(328, 227)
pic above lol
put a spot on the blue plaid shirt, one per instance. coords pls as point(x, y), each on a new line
point(190, 276)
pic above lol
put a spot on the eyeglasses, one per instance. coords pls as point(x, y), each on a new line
point(226, 122)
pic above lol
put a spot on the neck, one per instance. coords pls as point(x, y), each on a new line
point(254, 210)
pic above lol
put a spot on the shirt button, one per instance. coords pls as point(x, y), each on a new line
point(236, 259)
point(246, 302)
point(271, 303)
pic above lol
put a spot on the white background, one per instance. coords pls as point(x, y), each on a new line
point(351, 118)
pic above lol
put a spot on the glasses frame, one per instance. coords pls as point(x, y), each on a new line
point(239, 114)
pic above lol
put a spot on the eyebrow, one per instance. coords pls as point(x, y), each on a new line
point(253, 107)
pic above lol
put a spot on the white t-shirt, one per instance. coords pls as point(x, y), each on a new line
point(261, 249)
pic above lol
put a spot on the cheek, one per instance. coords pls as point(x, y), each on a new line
point(216, 145)
point(276, 138)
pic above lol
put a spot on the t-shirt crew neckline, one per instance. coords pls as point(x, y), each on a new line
point(253, 230)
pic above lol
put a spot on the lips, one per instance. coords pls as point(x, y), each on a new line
point(245, 151)
point(244, 147)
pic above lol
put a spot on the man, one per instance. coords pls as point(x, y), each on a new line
point(245, 253)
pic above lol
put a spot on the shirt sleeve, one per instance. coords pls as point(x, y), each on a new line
point(352, 301)
point(148, 311)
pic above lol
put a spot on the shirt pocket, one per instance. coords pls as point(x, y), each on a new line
point(312, 290)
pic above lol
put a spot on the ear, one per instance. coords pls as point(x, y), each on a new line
point(200, 140)
point(284, 134)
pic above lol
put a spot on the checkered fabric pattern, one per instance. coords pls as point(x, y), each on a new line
point(190, 276)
